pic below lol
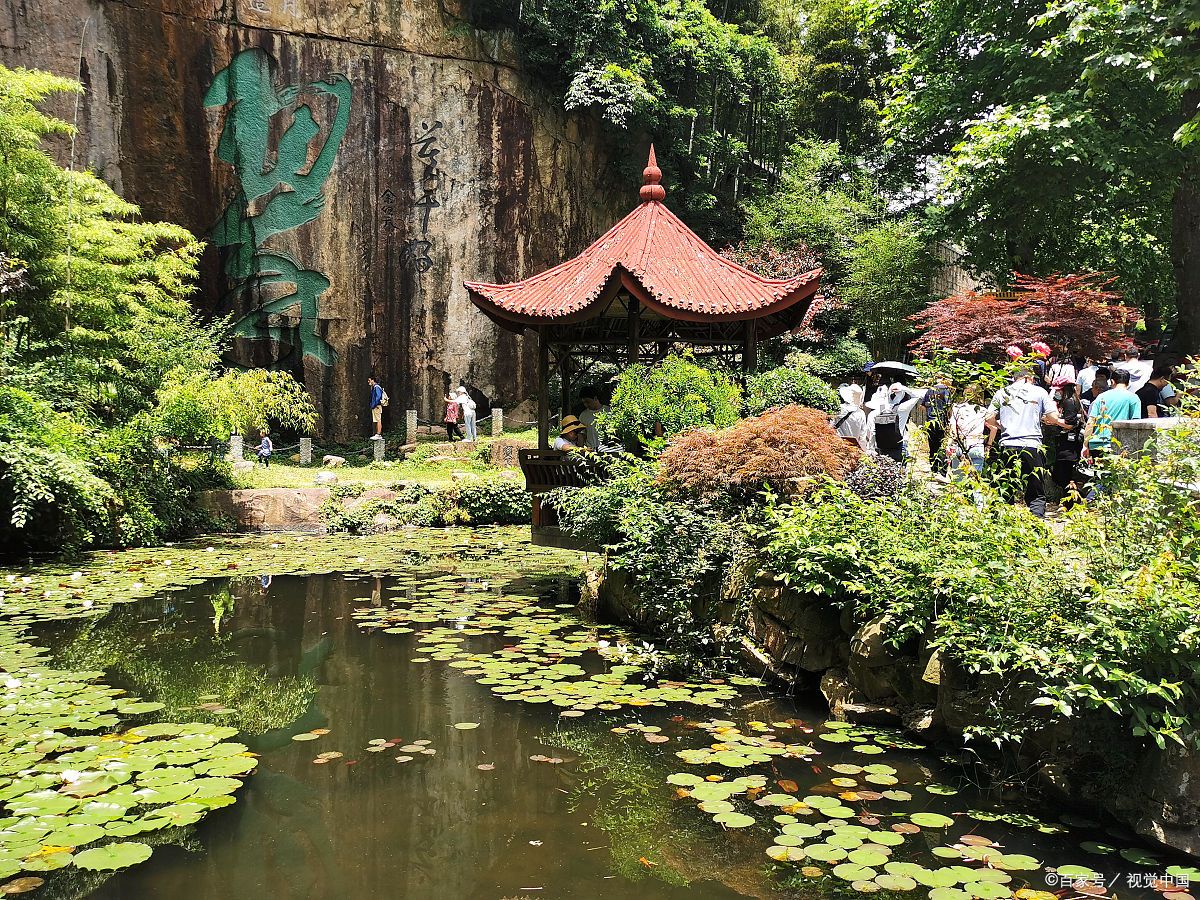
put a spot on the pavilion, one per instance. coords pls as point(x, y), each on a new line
point(647, 284)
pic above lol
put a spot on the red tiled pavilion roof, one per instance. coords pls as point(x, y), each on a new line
point(655, 257)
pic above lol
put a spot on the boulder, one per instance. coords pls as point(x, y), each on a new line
point(1168, 799)
point(332, 461)
point(869, 647)
point(870, 714)
point(837, 690)
point(269, 509)
point(924, 724)
point(325, 478)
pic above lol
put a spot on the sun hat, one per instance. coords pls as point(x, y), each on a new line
point(851, 394)
point(1061, 382)
point(570, 424)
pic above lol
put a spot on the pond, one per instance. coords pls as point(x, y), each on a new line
point(450, 727)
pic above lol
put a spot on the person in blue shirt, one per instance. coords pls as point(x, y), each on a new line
point(1117, 404)
point(265, 449)
point(376, 407)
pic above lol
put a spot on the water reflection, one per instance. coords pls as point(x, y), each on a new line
point(284, 656)
point(292, 659)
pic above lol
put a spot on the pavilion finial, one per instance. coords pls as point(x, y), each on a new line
point(651, 176)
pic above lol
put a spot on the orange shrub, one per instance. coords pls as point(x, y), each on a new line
point(780, 449)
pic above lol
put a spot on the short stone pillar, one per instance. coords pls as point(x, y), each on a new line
point(305, 451)
point(1136, 436)
point(410, 425)
point(377, 448)
point(497, 422)
point(235, 448)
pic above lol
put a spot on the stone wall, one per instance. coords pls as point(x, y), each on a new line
point(807, 642)
point(349, 163)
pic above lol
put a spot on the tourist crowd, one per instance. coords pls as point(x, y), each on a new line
point(1055, 418)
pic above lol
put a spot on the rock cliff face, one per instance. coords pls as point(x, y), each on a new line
point(350, 163)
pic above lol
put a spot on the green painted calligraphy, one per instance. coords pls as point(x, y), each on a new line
point(277, 192)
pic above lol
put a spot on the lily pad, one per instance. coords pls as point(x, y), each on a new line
point(113, 856)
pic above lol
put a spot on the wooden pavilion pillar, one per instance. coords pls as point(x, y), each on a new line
point(543, 390)
point(564, 379)
point(750, 348)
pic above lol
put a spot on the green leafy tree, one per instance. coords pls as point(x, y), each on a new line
point(713, 95)
point(652, 403)
point(838, 73)
point(200, 407)
point(888, 281)
point(1149, 45)
point(822, 202)
point(1037, 169)
point(101, 280)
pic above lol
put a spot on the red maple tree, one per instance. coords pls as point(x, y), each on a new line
point(1078, 312)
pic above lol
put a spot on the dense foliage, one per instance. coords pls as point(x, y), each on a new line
point(676, 549)
point(101, 357)
point(788, 384)
point(472, 501)
point(716, 97)
point(1065, 621)
point(653, 403)
point(783, 449)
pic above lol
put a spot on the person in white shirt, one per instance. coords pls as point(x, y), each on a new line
point(1139, 369)
point(1060, 369)
point(1086, 376)
point(468, 407)
point(572, 435)
point(851, 420)
point(1019, 411)
point(591, 408)
point(969, 435)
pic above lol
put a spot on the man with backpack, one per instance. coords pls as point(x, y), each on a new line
point(1019, 411)
point(379, 399)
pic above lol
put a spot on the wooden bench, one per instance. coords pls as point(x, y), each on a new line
point(546, 470)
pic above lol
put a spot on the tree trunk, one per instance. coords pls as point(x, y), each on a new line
point(1185, 245)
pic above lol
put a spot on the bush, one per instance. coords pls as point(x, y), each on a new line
point(777, 450)
point(831, 360)
point(594, 512)
point(196, 407)
point(877, 477)
point(786, 385)
point(671, 397)
point(677, 549)
point(493, 501)
point(64, 488)
point(1059, 621)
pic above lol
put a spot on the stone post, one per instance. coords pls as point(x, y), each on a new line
point(377, 448)
point(235, 448)
point(305, 451)
point(497, 422)
point(410, 426)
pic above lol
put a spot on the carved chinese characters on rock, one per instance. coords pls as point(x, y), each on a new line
point(417, 250)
